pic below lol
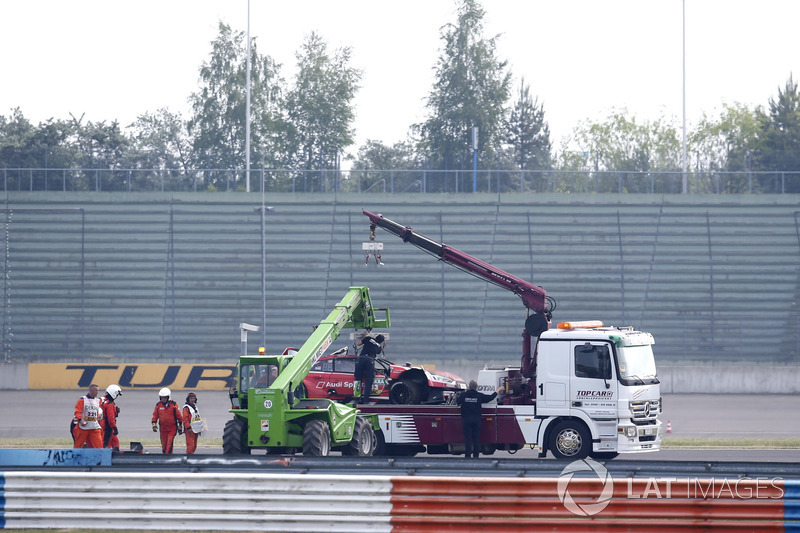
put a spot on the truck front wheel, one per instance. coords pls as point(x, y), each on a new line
point(316, 438)
point(570, 440)
point(233, 437)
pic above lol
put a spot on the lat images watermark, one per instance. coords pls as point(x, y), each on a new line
point(596, 488)
point(589, 508)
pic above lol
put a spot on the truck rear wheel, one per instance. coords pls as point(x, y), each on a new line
point(363, 443)
point(570, 440)
point(404, 450)
point(316, 439)
point(380, 443)
point(233, 437)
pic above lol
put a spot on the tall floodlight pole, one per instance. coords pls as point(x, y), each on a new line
point(475, 159)
point(247, 105)
point(264, 209)
point(685, 162)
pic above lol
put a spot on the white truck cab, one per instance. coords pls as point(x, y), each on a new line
point(594, 385)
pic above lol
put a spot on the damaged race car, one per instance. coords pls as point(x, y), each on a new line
point(332, 377)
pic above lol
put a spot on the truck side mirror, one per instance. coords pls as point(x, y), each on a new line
point(233, 394)
point(290, 395)
point(605, 368)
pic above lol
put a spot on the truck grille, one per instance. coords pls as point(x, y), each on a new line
point(645, 410)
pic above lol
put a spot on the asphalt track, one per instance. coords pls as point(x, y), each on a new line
point(47, 414)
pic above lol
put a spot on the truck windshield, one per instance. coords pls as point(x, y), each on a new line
point(637, 365)
point(255, 376)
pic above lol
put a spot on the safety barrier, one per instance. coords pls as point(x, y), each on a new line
point(653, 505)
point(195, 502)
point(292, 502)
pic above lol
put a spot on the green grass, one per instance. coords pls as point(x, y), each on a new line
point(24, 442)
point(745, 444)
point(667, 443)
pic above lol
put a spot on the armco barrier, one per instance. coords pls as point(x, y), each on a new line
point(653, 505)
point(275, 502)
point(195, 502)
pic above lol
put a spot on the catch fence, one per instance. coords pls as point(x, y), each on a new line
point(417, 181)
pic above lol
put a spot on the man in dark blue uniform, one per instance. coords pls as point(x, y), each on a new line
point(470, 402)
point(365, 367)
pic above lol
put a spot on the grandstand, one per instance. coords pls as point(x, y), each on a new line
point(163, 277)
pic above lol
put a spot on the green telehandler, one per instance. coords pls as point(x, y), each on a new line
point(268, 402)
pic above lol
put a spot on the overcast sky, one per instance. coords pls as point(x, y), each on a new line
point(116, 59)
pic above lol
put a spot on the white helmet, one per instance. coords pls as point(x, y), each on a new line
point(114, 391)
point(165, 392)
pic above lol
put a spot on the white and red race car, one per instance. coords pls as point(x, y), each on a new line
point(332, 377)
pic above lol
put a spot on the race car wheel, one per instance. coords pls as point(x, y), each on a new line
point(404, 392)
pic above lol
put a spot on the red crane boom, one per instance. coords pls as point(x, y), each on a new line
point(534, 297)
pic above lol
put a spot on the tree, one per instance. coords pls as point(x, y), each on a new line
point(47, 145)
point(23, 145)
point(104, 144)
point(160, 143)
point(376, 161)
point(218, 122)
point(781, 134)
point(320, 105)
point(160, 140)
point(104, 147)
point(16, 134)
point(471, 90)
point(619, 146)
point(528, 132)
point(55, 150)
point(725, 143)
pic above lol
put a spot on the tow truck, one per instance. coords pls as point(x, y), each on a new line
point(268, 407)
point(585, 389)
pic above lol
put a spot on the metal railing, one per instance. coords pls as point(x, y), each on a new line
point(396, 181)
